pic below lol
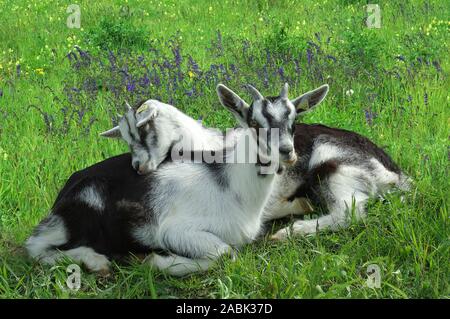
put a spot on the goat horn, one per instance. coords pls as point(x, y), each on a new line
point(129, 108)
point(284, 91)
point(114, 132)
point(254, 92)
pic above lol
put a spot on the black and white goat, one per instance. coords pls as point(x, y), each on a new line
point(336, 169)
point(195, 211)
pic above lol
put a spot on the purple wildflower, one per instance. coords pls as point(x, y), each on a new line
point(157, 80)
point(190, 92)
point(309, 55)
point(233, 68)
point(266, 77)
point(245, 47)
point(193, 66)
point(298, 69)
point(370, 116)
point(268, 57)
point(281, 73)
point(224, 72)
point(72, 56)
point(131, 86)
point(177, 55)
point(317, 35)
point(317, 47)
point(437, 66)
point(331, 58)
point(144, 81)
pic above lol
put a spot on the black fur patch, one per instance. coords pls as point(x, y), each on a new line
point(361, 147)
point(108, 231)
point(313, 180)
point(219, 174)
point(306, 135)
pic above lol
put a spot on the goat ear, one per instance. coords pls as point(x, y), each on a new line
point(233, 103)
point(112, 133)
point(145, 114)
point(306, 102)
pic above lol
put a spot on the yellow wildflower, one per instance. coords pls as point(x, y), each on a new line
point(40, 71)
point(191, 74)
point(3, 154)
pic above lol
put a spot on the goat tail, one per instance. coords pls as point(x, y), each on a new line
point(47, 236)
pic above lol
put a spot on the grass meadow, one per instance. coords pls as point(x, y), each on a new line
point(60, 87)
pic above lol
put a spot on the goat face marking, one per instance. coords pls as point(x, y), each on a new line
point(272, 114)
point(135, 127)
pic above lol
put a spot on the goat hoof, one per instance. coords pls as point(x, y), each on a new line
point(280, 235)
point(104, 273)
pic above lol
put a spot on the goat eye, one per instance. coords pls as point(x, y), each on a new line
point(144, 129)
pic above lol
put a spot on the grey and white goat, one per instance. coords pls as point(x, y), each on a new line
point(195, 212)
point(336, 169)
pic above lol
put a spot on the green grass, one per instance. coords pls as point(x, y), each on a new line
point(409, 240)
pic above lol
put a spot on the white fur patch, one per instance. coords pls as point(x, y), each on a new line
point(86, 255)
point(178, 266)
point(383, 177)
point(231, 214)
point(92, 197)
point(51, 233)
point(324, 152)
point(278, 206)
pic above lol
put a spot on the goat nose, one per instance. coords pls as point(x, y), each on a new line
point(286, 150)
